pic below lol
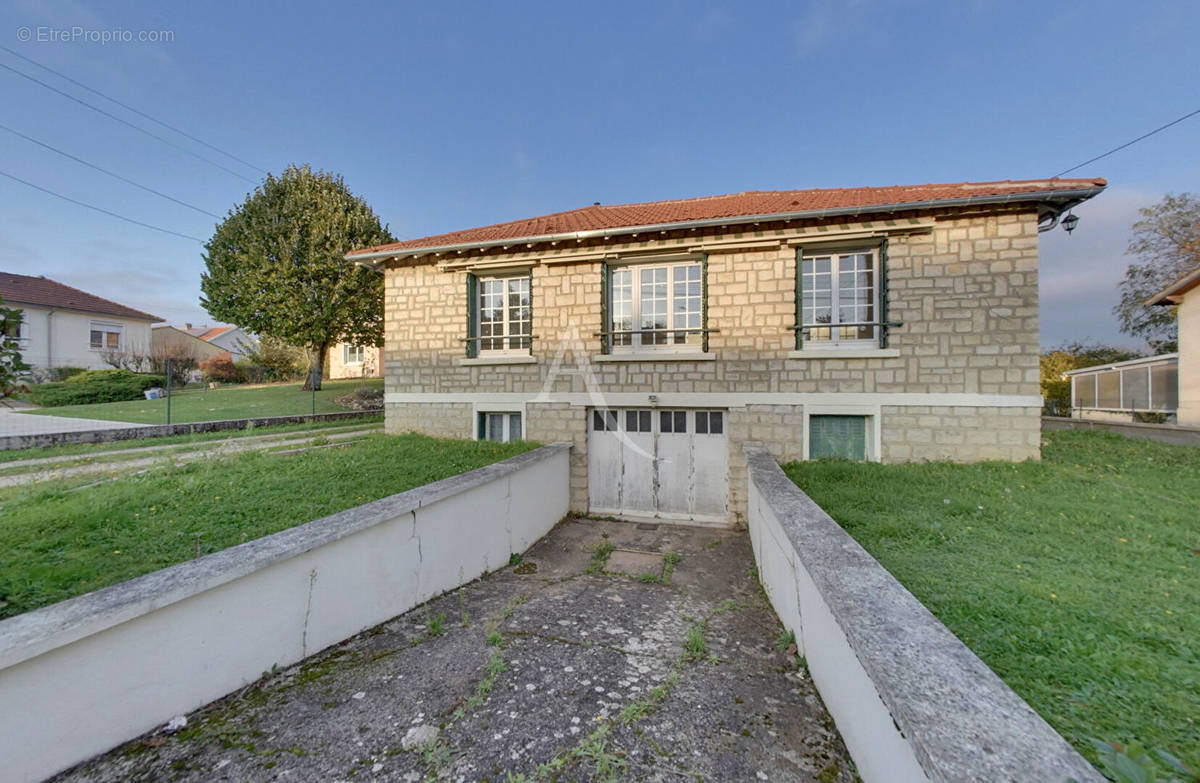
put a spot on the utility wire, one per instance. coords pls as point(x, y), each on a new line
point(1130, 143)
point(112, 174)
point(127, 107)
point(99, 209)
point(139, 128)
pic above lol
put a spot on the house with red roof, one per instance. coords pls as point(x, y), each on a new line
point(232, 339)
point(878, 323)
point(62, 326)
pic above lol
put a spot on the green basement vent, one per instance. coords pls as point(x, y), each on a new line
point(843, 437)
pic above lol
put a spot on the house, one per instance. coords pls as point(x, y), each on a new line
point(63, 326)
point(885, 323)
point(232, 339)
point(346, 360)
point(1137, 389)
point(169, 340)
point(1185, 294)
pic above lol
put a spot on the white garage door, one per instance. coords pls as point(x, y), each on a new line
point(671, 464)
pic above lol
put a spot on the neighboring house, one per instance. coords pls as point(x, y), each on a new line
point(62, 326)
point(166, 338)
point(355, 361)
point(1185, 293)
point(1126, 391)
point(891, 324)
point(231, 339)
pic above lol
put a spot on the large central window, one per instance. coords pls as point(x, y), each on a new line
point(505, 315)
point(657, 306)
point(839, 299)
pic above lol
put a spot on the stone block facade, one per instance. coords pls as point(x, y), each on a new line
point(957, 380)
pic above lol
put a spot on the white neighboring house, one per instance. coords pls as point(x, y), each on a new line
point(62, 326)
point(232, 339)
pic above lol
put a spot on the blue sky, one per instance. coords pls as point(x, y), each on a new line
point(451, 115)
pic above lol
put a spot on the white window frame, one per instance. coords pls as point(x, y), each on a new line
point(347, 348)
point(506, 307)
point(105, 327)
point(693, 341)
point(835, 341)
point(874, 434)
point(22, 335)
point(484, 409)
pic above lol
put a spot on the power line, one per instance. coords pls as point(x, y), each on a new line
point(99, 209)
point(109, 173)
point(127, 107)
point(139, 128)
point(1130, 143)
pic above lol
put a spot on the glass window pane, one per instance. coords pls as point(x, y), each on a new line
point(643, 421)
point(1164, 384)
point(495, 426)
point(1135, 388)
point(514, 426)
point(680, 423)
point(1109, 391)
point(664, 421)
point(701, 423)
point(716, 425)
point(597, 421)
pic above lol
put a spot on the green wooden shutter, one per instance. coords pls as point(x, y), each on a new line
point(704, 302)
point(531, 314)
point(605, 325)
point(472, 315)
point(881, 281)
point(799, 298)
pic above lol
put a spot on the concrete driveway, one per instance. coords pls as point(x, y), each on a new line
point(13, 422)
point(580, 663)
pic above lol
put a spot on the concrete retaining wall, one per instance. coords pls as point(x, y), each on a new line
point(911, 701)
point(135, 431)
point(86, 674)
point(1164, 433)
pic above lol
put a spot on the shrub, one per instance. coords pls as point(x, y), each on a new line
point(92, 386)
point(55, 374)
point(364, 398)
point(275, 360)
point(221, 369)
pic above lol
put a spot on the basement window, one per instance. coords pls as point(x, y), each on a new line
point(499, 426)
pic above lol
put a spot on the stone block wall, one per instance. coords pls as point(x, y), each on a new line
point(961, 434)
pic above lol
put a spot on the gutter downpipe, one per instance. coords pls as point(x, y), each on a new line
point(50, 337)
point(1075, 197)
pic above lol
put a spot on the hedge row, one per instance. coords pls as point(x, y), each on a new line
point(95, 386)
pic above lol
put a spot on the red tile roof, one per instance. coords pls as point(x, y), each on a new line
point(739, 205)
point(207, 334)
point(44, 292)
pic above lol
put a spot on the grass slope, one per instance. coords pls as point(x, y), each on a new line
point(232, 402)
point(1074, 578)
point(15, 456)
point(56, 542)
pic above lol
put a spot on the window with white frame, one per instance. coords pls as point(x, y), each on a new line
point(658, 306)
point(17, 329)
point(839, 298)
point(505, 315)
point(352, 354)
point(106, 337)
point(499, 426)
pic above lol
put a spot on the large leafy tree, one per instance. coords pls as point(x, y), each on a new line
point(12, 368)
point(1166, 242)
point(276, 265)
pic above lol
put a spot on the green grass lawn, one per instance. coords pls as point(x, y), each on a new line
point(231, 402)
point(1074, 578)
point(57, 542)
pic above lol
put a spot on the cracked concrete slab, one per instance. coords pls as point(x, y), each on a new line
point(554, 668)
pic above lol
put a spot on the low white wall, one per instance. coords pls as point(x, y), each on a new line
point(84, 675)
point(911, 701)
